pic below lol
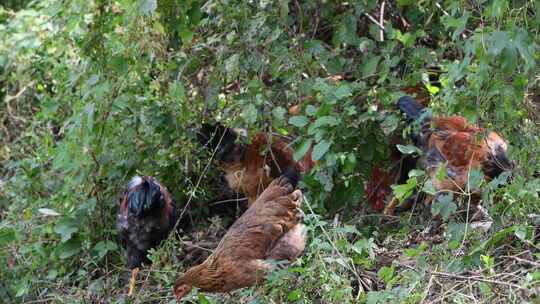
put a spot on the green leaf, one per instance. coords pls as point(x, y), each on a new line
point(279, 113)
point(416, 173)
point(343, 91)
point(440, 175)
point(402, 192)
point(523, 232)
point(386, 273)
point(203, 299)
point(7, 235)
point(325, 121)
point(119, 64)
point(294, 295)
point(298, 121)
point(389, 124)
point(497, 8)
point(66, 227)
point(444, 206)
point(311, 110)
point(406, 2)
point(147, 7)
point(408, 149)
point(68, 249)
point(186, 34)
point(320, 149)
point(476, 177)
point(407, 39)
point(103, 247)
point(370, 65)
point(302, 150)
point(429, 188)
point(177, 92)
point(249, 114)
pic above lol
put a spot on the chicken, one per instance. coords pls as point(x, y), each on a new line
point(456, 145)
point(145, 217)
point(269, 230)
point(249, 169)
point(382, 176)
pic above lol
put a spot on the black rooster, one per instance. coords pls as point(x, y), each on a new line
point(146, 215)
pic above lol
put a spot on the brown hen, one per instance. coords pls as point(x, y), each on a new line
point(269, 230)
point(453, 144)
point(250, 168)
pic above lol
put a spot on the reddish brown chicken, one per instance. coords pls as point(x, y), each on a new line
point(145, 217)
point(249, 169)
point(457, 145)
point(382, 176)
point(269, 230)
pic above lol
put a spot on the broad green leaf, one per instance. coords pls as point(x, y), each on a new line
point(249, 114)
point(444, 206)
point(68, 249)
point(186, 34)
point(294, 295)
point(279, 113)
point(386, 273)
point(325, 121)
point(302, 150)
point(476, 177)
point(103, 247)
point(343, 91)
point(311, 110)
point(320, 149)
point(66, 227)
point(440, 175)
point(389, 124)
point(429, 188)
point(202, 299)
point(408, 149)
point(402, 192)
point(523, 232)
point(370, 65)
point(416, 173)
point(298, 121)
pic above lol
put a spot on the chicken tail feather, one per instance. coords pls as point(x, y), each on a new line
point(292, 175)
point(220, 139)
point(410, 107)
point(145, 195)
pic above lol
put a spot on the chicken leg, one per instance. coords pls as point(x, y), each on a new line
point(389, 210)
point(133, 280)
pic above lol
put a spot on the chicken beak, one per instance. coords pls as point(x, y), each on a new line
point(133, 280)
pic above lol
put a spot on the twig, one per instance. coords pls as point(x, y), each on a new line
point(442, 9)
point(426, 292)
point(374, 21)
point(532, 263)
point(381, 20)
point(228, 201)
point(198, 183)
point(352, 269)
point(191, 244)
point(461, 277)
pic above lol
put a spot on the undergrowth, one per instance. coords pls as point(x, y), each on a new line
point(94, 92)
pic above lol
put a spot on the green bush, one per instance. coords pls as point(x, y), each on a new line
point(96, 91)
